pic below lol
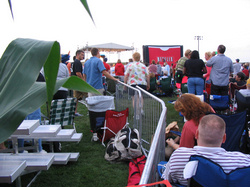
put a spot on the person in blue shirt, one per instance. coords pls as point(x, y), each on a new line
point(92, 74)
point(222, 67)
point(93, 70)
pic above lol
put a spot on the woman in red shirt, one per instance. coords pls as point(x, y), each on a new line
point(119, 68)
point(193, 109)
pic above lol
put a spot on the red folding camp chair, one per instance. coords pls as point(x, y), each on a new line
point(114, 121)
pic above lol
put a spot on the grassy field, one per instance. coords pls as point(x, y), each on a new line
point(91, 169)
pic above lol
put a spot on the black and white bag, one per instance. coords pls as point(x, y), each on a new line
point(125, 145)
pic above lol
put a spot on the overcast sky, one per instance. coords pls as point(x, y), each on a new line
point(131, 23)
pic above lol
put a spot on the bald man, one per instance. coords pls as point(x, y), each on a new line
point(210, 135)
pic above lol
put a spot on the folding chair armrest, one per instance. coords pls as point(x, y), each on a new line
point(43, 116)
point(45, 119)
point(190, 169)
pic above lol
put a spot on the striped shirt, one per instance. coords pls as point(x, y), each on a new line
point(227, 160)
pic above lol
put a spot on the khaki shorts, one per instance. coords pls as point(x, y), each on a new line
point(80, 95)
point(99, 90)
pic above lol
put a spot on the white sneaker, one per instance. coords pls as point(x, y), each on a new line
point(95, 138)
point(43, 152)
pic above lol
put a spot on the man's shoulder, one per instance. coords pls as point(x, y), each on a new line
point(229, 59)
point(183, 59)
point(94, 58)
point(76, 61)
point(224, 57)
point(183, 153)
point(185, 150)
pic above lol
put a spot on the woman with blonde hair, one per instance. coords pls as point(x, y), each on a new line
point(193, 109)
point(206, 76)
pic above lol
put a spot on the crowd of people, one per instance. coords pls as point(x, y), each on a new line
point(215, 71)
point(203, 132)
point(219, 71)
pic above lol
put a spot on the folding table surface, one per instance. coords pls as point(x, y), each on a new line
point(10, 170)
point(59, 158)
point(38, 162)
point(27, 127)
point(42, 131)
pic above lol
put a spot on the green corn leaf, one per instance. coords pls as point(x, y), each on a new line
point(20, 94)
point(85, 4)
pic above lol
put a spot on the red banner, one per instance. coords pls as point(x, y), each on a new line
point(164, 54)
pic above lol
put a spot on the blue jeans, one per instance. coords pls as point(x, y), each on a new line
point(33, 116)
point(195, 85)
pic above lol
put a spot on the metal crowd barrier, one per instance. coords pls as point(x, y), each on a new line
point(154, 124)
point(148, 114)
point(129, 97)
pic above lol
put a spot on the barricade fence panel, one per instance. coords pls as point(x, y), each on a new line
point(147, 113)
point(128, 97)
point(153, 124)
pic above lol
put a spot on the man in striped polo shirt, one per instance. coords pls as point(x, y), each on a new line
point(210, 135)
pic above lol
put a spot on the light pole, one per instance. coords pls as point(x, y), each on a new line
point(198, 38)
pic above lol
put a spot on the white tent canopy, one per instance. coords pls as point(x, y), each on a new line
point(109, 47)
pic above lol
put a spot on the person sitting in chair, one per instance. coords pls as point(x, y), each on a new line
point(210, 135)
point(239, 79)
point(193, 109)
